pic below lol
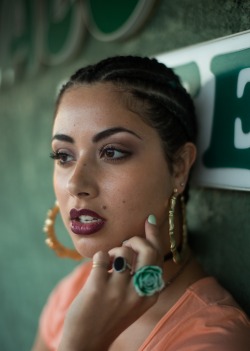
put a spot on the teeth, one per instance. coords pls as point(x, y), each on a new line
point(87, 219)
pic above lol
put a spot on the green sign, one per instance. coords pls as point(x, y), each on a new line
point(43, 33)
point(217, 74)
point(227, 148)
point(112, 19)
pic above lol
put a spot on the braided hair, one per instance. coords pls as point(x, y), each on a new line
point(152, 90)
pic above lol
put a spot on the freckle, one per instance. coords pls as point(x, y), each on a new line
point(84, 164)
point(123, 201)
point(104, 207)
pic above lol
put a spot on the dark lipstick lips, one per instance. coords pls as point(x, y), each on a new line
point(74, 213)
point(85, 228)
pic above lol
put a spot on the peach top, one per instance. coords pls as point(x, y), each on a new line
point(205, 318)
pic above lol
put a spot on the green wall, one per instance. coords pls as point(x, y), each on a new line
point(219, 219)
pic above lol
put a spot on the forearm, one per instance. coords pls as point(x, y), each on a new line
point(83, 344)
point(79, 335)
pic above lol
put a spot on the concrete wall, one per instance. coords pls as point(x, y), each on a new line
point(218, 219)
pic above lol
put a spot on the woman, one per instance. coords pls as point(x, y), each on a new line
point(124, 144)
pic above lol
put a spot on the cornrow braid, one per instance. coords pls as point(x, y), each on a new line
point(152, 90)
point(146, 75)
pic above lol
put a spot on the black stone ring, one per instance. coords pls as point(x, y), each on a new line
point(120, 264)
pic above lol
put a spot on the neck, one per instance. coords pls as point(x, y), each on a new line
point(178, 277)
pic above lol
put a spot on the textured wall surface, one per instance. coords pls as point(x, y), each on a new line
point(219, 219)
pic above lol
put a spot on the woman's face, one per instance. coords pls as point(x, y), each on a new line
point(110, 171)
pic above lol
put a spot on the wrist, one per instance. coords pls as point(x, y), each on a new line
point(66, 346)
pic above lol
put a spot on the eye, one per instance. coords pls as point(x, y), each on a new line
point(62, 157)
point(113, 153)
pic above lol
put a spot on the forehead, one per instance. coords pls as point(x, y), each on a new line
point(100, 102)
point(91, 97)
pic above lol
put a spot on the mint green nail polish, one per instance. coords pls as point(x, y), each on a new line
point(152, 219)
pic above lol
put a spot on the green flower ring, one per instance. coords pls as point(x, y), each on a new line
point(148, 280)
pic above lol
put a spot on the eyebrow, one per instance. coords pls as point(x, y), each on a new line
point(99, 136)
point(111, 131)
point(63, 137)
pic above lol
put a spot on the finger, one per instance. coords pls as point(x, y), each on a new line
point(148, 249)
point(146, 253)
point(152, 233)
point(125, 252)
point(123, 265)
point(100, 266)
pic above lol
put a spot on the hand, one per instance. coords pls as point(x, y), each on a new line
point(108, 302)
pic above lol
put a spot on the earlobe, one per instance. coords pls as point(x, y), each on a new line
point(184, 161)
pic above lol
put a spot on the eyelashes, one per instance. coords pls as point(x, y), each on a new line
point(61, 157)
point(113, 153)
point(109, 153)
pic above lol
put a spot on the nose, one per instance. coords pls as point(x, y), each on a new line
point(82, 182)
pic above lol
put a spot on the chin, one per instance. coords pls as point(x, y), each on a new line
point(88, 250)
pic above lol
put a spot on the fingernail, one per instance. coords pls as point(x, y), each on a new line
point(152, 219)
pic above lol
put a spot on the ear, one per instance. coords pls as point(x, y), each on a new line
point(184, 159)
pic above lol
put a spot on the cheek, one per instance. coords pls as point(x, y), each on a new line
point(142, 196)
point(61, 197)
point(57, 190)
point(59, 185)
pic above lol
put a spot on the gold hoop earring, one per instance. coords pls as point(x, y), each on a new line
point(177, 257)
point(52, 241)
